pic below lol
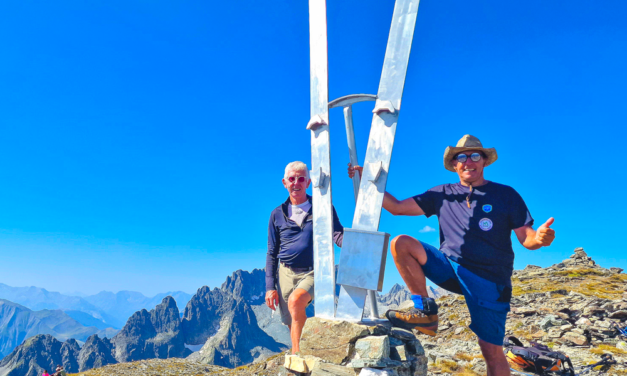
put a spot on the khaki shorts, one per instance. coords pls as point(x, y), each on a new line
point(288, 282)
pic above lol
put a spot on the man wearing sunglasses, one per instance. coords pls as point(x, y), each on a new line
point(290, 250)
point(475, 257)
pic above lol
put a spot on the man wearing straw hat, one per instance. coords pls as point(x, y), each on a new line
point(475, 257)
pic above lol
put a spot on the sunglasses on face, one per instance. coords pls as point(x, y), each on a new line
point(462, 158)
point(293, 179)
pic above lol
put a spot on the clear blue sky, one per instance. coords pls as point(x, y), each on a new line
point(142, 143)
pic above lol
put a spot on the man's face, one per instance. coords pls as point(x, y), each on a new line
point(469, 171)
point(296, 188)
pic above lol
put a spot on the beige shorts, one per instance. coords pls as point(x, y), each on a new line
point(288, 282)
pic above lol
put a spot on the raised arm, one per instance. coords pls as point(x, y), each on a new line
point(391, 203)
point(407, 206)
point(535, 239)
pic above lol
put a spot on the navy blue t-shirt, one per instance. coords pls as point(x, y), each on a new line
point(478, 238)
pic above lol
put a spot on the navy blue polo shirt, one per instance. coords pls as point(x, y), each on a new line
point(479, 237)
point(293, 244)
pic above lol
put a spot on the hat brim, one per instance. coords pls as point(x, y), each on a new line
point(451, 151)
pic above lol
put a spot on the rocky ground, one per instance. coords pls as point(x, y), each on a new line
point(569, 307)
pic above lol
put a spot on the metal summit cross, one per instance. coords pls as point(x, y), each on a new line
point(364, 249)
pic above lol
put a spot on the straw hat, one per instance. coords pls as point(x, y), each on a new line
point(467, 143)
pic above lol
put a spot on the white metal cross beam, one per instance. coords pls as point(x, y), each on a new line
point(362, 261)
point(324, 255)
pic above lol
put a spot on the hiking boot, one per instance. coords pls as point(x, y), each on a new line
point(423, 320)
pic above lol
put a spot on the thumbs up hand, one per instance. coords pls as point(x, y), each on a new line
point(545, 234)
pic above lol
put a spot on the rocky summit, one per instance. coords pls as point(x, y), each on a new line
point(154, 334)
point(233, 324)
point(569, 307)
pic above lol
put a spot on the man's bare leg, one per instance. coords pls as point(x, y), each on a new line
point(409, 256)
point(495, 360)
point(297, 304)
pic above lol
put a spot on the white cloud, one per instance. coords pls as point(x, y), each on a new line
point(427, 229)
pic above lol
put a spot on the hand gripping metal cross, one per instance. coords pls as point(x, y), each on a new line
point(364, 249)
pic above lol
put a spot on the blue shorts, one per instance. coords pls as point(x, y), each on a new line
point(488, 302)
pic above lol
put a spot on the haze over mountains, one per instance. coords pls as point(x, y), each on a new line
point(102, 310)
point(18, 323)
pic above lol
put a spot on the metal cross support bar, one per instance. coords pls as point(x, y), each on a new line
point(324, 257)
point(347, 102)
point(378, 155)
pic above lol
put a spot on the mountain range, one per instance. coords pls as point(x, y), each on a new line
point(102, 310)
point(18, 323)
point(228, 326)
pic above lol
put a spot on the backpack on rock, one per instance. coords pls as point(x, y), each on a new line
point(538, 358)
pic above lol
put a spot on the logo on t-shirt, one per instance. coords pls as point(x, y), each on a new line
point(487, 208)
point(485, 224)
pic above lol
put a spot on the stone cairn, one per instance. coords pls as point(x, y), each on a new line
point(343, 348)
point(581, 258)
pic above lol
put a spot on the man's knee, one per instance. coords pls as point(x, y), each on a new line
point(400, 245)
point(298, 301)
point(491, 352)
point(405, 245)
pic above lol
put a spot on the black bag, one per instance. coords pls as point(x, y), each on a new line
point(538, 358)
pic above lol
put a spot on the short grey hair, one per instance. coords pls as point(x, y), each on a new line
point(296, 166)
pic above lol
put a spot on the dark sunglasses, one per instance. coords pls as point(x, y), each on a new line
point(300, 179)
point(462, 158)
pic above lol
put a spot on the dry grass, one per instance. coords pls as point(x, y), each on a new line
point(448, 366)
point(602, 349)
point(575, 273)
point(464, 356)
point(595, 283)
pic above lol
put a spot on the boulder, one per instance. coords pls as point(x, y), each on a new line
point(546, 322)
point(415, 348)
point(577, 339)
point(583, 322)
point(555, 332)
point(328, 369)
point(539, 334)
point(398, 353)
point(588, 311)
point(603, 324)
point(566, 327)
point(402, 334)
point(373, 351)
point(526, 311)
point(579, 253)
point(557, 293)
point(331, 340)
point(373, 347)
point(622, 314)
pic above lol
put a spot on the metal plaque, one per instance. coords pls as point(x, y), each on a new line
point(362, 261)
